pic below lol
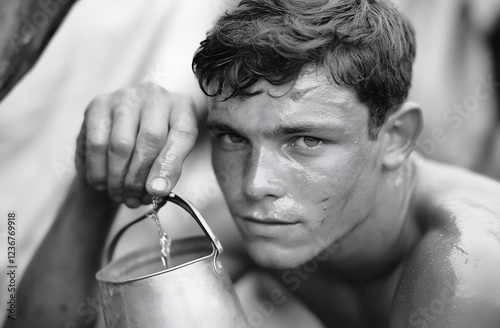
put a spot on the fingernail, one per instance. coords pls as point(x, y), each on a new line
point(159, 184)
point(132, 202)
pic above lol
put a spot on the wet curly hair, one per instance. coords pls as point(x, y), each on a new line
point(368, 45)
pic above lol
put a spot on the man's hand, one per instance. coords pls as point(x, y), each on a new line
point(135, 140)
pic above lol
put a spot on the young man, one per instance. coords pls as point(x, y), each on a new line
point(312, 148)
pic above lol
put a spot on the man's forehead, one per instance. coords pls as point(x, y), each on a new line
point(313, 102)
point(313, 85)
point(310, 78)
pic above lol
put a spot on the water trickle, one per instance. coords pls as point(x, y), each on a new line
point(165, 240)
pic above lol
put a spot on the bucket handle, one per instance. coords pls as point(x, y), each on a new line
point(188, 207)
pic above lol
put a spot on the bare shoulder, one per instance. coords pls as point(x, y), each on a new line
point(450, 281)
point(452, 277)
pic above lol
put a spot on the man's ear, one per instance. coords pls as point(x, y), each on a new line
point(400, 134)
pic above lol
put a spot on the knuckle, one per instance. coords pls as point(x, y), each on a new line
point(95, 179)
point(96, 103)
point(153, 87)
point(185, 130)
point(95, 134)
point(121, 93)
point(120, 98)
point(153, 138)
point(122, 147)
point(115, 175)
point(96, 144)
point(130, 97)
point(121, 109)
point(126, 97)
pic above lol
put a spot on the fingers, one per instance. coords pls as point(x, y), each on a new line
point(80, 153)
point(182, 136)
point(151, 139)
point(134, 136)
point(121, 147)
point(98, 128)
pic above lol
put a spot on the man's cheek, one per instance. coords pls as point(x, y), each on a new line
point(228, 172)
point(223, 178)
point(228, 178)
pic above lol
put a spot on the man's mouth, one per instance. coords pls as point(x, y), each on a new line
point(266, 227)
point(269, 221)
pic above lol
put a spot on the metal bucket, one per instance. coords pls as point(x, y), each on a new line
point(136, 290)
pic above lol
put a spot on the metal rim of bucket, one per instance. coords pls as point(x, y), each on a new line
point(195, 214)
point(99, 274)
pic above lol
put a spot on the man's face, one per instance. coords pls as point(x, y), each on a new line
point(296, 166)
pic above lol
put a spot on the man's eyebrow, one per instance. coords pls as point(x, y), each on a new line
point(280, 130)
point(299, 128)
point(221, 127)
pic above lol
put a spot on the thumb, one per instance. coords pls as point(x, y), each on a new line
point(167, 168)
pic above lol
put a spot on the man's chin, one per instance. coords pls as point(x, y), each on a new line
point(271, 256)
point(283, 254)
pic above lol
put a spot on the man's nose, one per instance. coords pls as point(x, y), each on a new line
point(262, 175)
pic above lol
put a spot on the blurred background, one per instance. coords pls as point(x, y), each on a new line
point(455, 80)
point(104, 45)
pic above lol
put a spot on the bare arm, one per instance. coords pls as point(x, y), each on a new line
point(60, 277)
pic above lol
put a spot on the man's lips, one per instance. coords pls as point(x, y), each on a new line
point(270, 221)
point(266, 226)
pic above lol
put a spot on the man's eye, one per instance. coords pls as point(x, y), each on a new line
point(307, 142)
point(232, 138)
